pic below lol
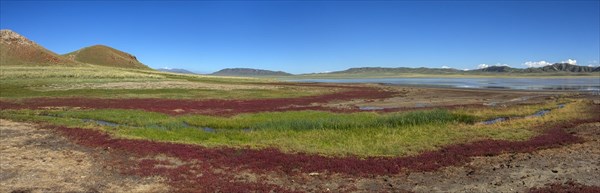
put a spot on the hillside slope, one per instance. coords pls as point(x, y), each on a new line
point(16, 50)
point(106, 56)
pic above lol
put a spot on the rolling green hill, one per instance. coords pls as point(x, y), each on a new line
point(106, 56)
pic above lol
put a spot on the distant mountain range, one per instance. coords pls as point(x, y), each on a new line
point(249, 72)
point(555, 68)
point(175, 70)
point(558, 67)
point(381, 70)
point(20, 51)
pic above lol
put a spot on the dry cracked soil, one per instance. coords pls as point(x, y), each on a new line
point(38, 160)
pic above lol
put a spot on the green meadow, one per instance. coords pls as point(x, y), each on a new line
point(91, 81)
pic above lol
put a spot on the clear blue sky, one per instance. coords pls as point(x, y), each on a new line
point(301, 37)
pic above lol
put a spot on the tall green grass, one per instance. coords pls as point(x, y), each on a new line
point(290, 120)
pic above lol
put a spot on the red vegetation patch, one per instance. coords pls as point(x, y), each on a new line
point(568, 187)
point(275, 160)
point(195, 174)
point(207, 107)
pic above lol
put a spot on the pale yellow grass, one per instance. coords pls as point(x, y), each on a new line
point(156, 85)
point(71, 72)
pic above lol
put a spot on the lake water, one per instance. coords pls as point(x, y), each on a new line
point(591, 84)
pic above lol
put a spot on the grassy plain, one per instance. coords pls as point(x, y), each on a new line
point(51, 81)
point(334, 134)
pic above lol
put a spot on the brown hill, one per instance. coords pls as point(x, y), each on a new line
point(106, 56)
point(16, 50)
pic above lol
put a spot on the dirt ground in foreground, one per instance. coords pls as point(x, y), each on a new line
point(37, 160)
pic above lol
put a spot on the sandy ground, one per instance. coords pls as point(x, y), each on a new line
point(37, 160)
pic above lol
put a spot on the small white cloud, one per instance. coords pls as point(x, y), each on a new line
point(166, 68)
point(466, 69)
point(445, 67)
point(591, 65)
point(570, 61)
point(480, 66)
point(532, 64)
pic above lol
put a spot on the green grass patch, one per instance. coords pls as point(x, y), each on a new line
point(336, 134)
point(291, 120)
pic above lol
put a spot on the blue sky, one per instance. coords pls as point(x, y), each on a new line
point(302, 37)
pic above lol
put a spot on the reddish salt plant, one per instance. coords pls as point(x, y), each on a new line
point(427, 161)
point(196, 174)
point(207, 107)
point(271, 159)
point(567, 187)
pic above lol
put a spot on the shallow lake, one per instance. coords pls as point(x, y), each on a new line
point(576, 84)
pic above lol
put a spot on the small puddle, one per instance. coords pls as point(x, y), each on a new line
point(209, 130)
point(496, 120)
point(103, 123)
point(493, 104)
point(539, 113)
point(205, 129)
point(420, 105)
point(520, 99)
point(368, 108)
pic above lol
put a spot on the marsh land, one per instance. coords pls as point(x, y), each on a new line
point(138, 130)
